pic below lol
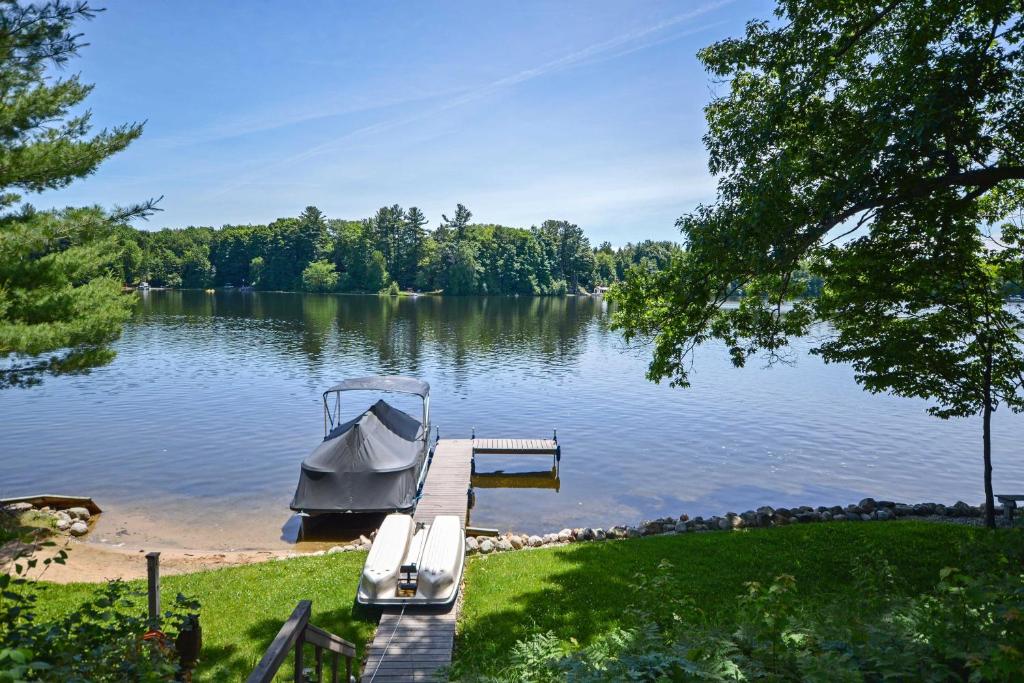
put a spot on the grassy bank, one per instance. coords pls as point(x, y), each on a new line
point(243, 607)
point(582, 590)
point(577, 591)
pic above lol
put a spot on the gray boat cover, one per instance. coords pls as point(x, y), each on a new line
point(369, 464)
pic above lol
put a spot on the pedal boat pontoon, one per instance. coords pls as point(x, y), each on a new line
point(373, 463)
point(412, 564)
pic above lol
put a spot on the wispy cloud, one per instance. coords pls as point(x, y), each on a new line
point(612, 48)
point(266, 122)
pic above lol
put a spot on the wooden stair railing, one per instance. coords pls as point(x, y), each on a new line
point(293, 636)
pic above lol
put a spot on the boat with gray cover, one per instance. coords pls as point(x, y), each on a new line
point(373, 463)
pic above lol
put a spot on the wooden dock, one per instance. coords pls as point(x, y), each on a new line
point(446, 489)
point(516, 447)
point(414, 645)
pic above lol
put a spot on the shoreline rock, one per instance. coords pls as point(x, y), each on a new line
point(866, 510)
point(73, 521)
point(77, 522)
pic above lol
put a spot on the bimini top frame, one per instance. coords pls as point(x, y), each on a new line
point(394, 384)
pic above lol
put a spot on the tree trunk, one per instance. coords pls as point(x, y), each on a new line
point(990, 508)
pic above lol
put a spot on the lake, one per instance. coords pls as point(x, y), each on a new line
point(193, 436)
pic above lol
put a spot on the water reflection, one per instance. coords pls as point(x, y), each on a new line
point(500, 479)
point(194, 434)
point(391, 332)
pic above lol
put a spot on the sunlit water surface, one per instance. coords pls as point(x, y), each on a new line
point(193, 436)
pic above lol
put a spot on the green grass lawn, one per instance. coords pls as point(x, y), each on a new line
point(580, 591)
point(243, 607)
point(577, 591)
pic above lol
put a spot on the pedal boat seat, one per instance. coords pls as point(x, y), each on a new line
point(380, 573)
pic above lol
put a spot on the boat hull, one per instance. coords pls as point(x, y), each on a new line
point(438, 551)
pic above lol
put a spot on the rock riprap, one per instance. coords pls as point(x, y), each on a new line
point(74, 521)
point(866, 510)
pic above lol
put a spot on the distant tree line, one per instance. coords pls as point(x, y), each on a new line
point(392, 249)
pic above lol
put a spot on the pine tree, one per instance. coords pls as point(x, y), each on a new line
point(60, 288)
point(413, 233)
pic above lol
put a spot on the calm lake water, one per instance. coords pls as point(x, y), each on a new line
point(193, 436)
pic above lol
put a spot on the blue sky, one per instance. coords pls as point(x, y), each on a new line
point(588, 111)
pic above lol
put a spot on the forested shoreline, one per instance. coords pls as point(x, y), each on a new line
point(392, 250)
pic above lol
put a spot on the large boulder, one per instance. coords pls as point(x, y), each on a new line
point(565, 535)
point(486, 546)
point(78, 528)
point(471, 545)
point(79, 513)
point(535, 541)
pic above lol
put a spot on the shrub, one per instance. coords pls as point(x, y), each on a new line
point(320, 276)
point(104, 640)
point(391, 290)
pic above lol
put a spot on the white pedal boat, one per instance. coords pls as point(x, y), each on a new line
point(414, 566)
